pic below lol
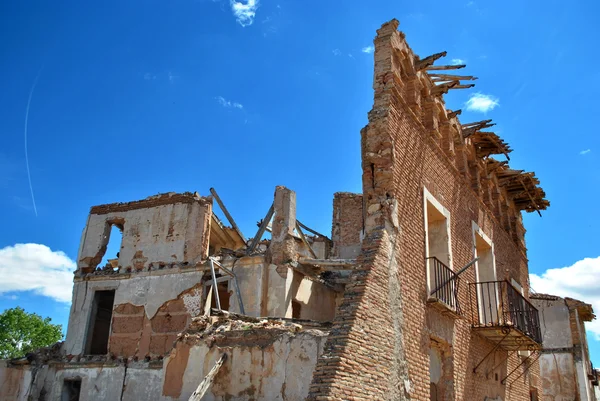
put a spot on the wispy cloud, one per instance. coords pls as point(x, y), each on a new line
point(336, 52)
point(244, 11)
point(149, 76)
point(229, 104)
point(457, 61)
point(585, 152)
point(172, 77)
point(481, 103)
point(40, 269)
point(579, 281)
point(368, 49)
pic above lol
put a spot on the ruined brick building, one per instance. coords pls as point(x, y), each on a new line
point(566, 370)
point(421, 293)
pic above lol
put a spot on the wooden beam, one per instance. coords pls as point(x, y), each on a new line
point(535, 206)
point(445, 67)
point(226, 213)
point(261, 230)
point(443, 88)
point(207, 382)
point(304, 240)
point(310, 230)
point(327, 262)
point(454, 113)
point(428, 61)
point(448, 77)
point(463, 86)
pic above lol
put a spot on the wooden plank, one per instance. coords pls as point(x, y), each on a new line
point(445, 67)
point(304, 240)
point(207, 382)
point(449, 77)
point(428, 61)
point(261, 230)
point(327, 262)
point(226, 213)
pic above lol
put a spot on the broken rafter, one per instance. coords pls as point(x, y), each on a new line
point(261, 230)
point(443, 88)
point(452, 114)
point(304, 240)
point(471, 128)
point(428, 61)
point(327, 262)
point(463, 86)
point(310, 230)
point(445, 67)
point(226, 213)
point(207, 382)
point(447, 77)
point(533, 202)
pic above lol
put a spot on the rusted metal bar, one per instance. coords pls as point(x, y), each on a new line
point(235, 284)
point(214, 283)
point(492, 350)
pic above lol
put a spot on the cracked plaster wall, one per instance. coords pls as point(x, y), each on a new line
point(150, 290)
point(281, 370)
point(161, 234)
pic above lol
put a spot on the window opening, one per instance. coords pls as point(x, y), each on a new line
point(296, 309)
point(71, 390)
point(224, 294)
point(100, 320)
point(486, 277)
point(112, 247)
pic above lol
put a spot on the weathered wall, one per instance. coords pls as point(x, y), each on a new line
point(14, 383)
point(316, 301)
point(382, 322)
point(558, 377)
point(149, 290)
point(156, 231)
point(346, 230)
point(554, 322)
point(102, 383)
point(276, 367)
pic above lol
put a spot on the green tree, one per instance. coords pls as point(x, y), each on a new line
point(22, 332)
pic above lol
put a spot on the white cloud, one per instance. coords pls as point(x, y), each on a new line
point(368, 49)
point(457, 61)
point(148, 76)
point(244, 11)
point(227, 103)
point(585, 152)
point(481, 103)
point(336, 52)
point(172, 77)
point(35, 267)
point(581, 281)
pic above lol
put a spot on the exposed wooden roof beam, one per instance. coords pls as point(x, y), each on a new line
point(428, 61)
point(445, 67)
point(448, 77)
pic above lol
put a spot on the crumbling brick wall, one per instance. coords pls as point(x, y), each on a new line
point(380, 343)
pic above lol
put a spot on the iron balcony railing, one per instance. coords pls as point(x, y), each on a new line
point(443, 284)
point(499, 304)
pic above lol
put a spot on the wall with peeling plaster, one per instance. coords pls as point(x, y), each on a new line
point(281, 370)
point(148, 289)
point(14, 383)
point(161, 234)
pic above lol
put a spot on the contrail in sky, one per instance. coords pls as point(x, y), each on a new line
point(26, 119)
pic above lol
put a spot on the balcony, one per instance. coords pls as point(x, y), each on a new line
point(499, 312)
point(443, 284)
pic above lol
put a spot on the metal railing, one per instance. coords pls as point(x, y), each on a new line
point(499, 304)
point(443, 283)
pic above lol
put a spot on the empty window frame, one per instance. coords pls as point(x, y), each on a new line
point(223, 293)
point(438, 249)
point(485, 271)
point(99, 323)
point(71, 389)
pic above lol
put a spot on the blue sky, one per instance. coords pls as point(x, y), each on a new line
point(135, 98)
